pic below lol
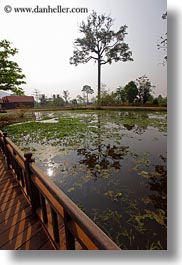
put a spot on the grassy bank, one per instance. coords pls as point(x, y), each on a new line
point(93, 107)
point(17, 116)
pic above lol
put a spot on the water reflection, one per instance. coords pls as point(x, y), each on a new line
point(50, 172)
point(98, 155)
point(50, 166)
point(114, 170)
point(106, 156)
point(140, 129)
point(158, 186)
point(128, 126)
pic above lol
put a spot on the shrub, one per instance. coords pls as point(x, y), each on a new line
point(155, 102)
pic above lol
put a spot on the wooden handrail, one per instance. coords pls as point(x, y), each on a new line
point(51, 204)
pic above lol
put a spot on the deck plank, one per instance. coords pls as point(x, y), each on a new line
point(17, 242)
point(13, 220)
point(4, 216)
point(19, 229)
point(35, 242)
point(15, 230)
point(9, 195)
point(13, 202)
point(46, 246)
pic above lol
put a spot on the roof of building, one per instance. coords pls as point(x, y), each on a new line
point(14, 99)
point(1, 100)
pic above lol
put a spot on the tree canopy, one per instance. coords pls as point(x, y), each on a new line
point(100, 43)
point(144, 88)
point(131, 91)
point(66, 96)
point(11, 76)
point(88, 90)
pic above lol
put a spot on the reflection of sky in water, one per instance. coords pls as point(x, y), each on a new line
point(117, 159)
point(49, 168)
point(50, 171)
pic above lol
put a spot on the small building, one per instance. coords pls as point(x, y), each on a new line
point(1, 103)
point(16, 102)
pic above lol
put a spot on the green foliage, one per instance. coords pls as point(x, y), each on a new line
point(155, 102)
point(74, 102)
point(11, 76)
point(126, 180)
point(144, 88)
point(134, 93)
point(15, 117)
point(131, 91)
point(155, 246)
point(55, 101)
point(58, 101)
point(43, 100)
point(100, 43)
point(100, 40)
point(88, 90)
point(88, 152)
point(66, 96)
point(43, 132)
point(108, 99)
point(163, 102)
point(114, 196)
point(80, 99)
point(120, 95)
point(107, 216)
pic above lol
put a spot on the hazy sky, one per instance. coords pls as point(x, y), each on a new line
point(45, 43)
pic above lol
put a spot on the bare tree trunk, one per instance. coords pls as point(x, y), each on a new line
point(99, 81)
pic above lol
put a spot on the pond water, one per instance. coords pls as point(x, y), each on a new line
point(112, 164)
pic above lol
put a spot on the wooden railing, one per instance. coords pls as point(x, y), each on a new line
point(55, 209)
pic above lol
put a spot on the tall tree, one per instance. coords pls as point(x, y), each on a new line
point(66, 95)
point(88, 90)
point(100, 43)
point(11, 76)
point(131, 91)
point(144, 88)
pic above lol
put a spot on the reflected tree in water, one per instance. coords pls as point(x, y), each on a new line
point(158, 186)
point(100, 155)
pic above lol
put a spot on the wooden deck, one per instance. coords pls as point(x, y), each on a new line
point(19, 228)
point(35, 213)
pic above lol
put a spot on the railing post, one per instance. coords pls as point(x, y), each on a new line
point(29, 187)
point(70, 240)
point(5, 149)
point(44, 209)
point(55, 225)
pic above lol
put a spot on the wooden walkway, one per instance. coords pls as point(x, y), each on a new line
point(19, 229)
point(35, 213)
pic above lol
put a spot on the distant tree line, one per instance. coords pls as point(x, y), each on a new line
point(134, 93)
point(59, 101)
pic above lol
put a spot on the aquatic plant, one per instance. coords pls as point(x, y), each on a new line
point(112, 161)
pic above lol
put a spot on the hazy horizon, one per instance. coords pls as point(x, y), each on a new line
point(45, 44)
